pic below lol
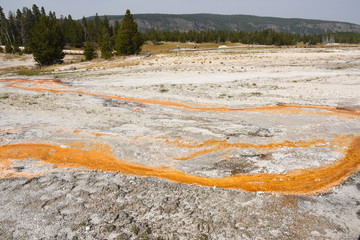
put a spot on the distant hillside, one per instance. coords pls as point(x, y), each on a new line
point(199, 22)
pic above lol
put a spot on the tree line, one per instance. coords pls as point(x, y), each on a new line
point(265, 37)
point(45, 36)
point(16, 30)
point(32, 27)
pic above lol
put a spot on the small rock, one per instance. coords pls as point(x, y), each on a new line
point(19, 169)
point(262, 132)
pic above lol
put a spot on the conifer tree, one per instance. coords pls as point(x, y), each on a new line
point(97, 28)
point(106, 46)
point(36, 13)
point(73, 32)
point(129, 39)
point(106, 43)
point(84, 26)
point(27, 23)
point(116, 27)
point(3, 27)
point(90, 31)
point(47, 41)
point(106, 26)
point(43, 11)
point(19, 28)
point(89, 51)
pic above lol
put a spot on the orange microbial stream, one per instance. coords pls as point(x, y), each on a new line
point(225, 146)
point(298, 181)
point(55, 86)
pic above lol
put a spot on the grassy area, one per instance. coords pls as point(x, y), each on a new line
point(33, 72)
point(8, 56)
point(164, 47)
point(161, 47)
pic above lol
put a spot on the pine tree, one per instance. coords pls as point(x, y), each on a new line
point(116, 27)
point(129, 40)
point(89, 51)
point(4, 29)
point(43, 11)
point(97, 28)
point(90, 31)
point(84, 27)
point(13, 32)
point(106, 26)
point(2, 26)
point(47, 41)
point(73, 32)
point(27, 23)
point(19, 27)
point(106, 46)
point(106, 43)
point(36, 12)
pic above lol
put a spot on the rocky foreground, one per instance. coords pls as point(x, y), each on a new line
point(98, 205)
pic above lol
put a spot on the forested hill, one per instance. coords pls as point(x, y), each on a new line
point(204, 22)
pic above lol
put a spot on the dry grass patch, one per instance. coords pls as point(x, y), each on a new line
point(166, 47)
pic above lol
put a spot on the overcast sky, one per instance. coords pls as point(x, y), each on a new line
point(338, 10)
